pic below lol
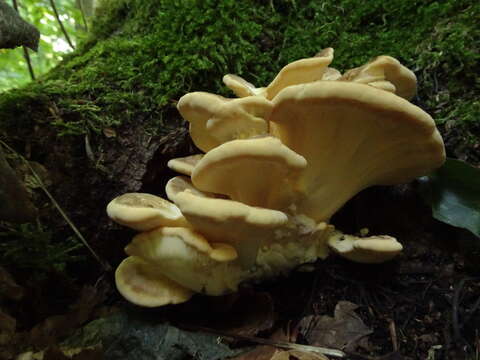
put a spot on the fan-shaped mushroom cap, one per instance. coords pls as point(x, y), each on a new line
point(214, 119)
point(297, 72)
point(257, 172)
point(184, 165)
point(373, 249)
point(144, 212)
point(352, 136)
point(300, 72)
point(241, 87)
point(187, 258)
point(221, 220)
point(178, 184)
point(141, 283)
point(386, 73)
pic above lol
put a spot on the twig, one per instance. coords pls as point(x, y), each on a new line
point(54, 8)
point(104, 264)
point(84, 18)
point(268, 342)
point(393, 334)
point(456, 297)
point(26, 54)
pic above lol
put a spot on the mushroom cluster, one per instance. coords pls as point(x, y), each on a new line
point(278, 162)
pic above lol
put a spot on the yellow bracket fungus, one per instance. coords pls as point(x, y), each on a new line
point(279, 161)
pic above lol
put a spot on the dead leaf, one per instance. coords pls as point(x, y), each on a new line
point(109, 132)
point(265, 352)
point(343, 331)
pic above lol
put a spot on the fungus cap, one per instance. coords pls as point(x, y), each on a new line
point(184, 165)
point(373, 249)
point(143, 212)
point(214, 119)
point(352, 136)
point(257, 172)
point(140, 283)
point(386, 73)
point(241, 87)
point(297, 72)
point(179, 184)
point(227, 221)
point(186, 257)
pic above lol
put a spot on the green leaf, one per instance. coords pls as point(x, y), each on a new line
point(453, 191)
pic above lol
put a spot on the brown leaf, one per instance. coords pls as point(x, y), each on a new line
point(265, 352)
point(109, 132)
point(343, 331)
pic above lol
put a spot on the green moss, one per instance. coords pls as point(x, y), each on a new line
point(143, 55)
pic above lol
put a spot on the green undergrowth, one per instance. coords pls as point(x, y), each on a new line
point(33, 247)
point(142, 55)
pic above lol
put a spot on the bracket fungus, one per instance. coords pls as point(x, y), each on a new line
point(278, 162)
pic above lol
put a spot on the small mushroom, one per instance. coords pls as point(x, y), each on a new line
point(141, 283)
point(373, 249)
point(187, 258)
point(386, 73)
point(258, 172)
point(178, 184)
point(297, 72)
point(214, 119)
point(241, 87)
point(144, 212)
point(184, 165)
